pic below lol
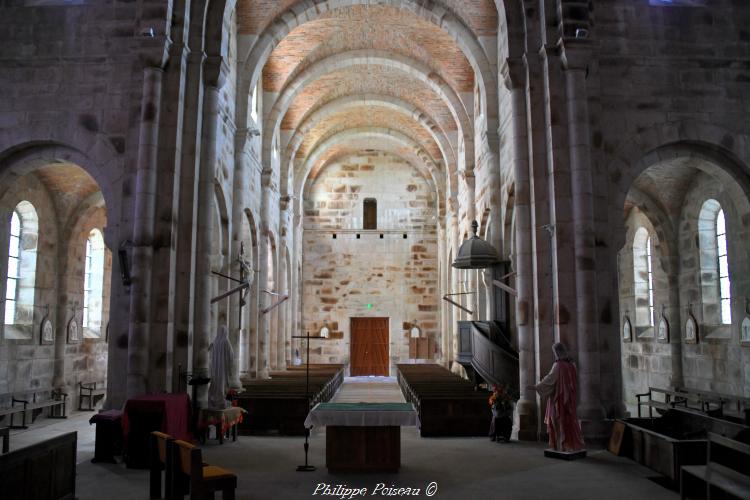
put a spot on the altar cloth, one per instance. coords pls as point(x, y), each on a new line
point(362, 415)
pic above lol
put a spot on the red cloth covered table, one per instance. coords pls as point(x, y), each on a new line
point(167, 413)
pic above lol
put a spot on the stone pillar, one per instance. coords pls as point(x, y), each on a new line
point(264, 326)
point(61, 312)
point(575, 56)
point(143, 234)
point(515, 76)
point(241, 188)
point(184, 291)
point(214, 74)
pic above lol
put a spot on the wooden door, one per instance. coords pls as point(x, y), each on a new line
point(369, 347)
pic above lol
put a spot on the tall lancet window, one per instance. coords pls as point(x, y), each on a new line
point(21, 279)
point(643, 278)
point(93, 282)
point(725, 294)
point(714, 261)
point(14, 264)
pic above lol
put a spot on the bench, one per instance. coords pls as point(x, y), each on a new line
point(447, 404)
point(279, 404)
point(677, 438)
point(733, 407)
point(727, 470)
point(708, 403)
point(56, 405)
point(92, 393)
point(42, 470)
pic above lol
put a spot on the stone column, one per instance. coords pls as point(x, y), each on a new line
point(241, 188)
point(143, 234)
point(264, 341)
point(515, 76)
point(575, 56)
point(214, 72)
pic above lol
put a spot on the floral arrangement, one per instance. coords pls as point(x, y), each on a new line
point(502, 398)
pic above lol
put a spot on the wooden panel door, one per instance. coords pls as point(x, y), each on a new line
point(369, 347)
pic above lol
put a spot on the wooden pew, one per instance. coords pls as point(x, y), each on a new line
point(43, 470)
point(732, 406)
point(677, 438)
point(447, 404)
point(278, 404)
point(33, 402)
point(727, 470)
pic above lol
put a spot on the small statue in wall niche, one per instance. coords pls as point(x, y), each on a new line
point(560, 386)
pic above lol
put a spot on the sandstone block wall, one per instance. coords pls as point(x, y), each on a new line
point(393, 268)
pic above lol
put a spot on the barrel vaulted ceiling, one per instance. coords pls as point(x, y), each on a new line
point(344, 76)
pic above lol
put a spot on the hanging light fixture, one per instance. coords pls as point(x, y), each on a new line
point(475, 253)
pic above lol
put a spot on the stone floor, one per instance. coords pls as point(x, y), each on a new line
point(461, 468)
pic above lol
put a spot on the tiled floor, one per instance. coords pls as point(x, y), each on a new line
point(461, 468)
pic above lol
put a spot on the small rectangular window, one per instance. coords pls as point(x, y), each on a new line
point(370, 214)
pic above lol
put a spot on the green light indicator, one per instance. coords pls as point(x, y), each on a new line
point(369, 306)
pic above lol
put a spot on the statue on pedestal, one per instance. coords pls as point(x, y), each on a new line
point(560, 387)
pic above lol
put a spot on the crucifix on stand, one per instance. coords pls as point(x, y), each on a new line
point(307, 467)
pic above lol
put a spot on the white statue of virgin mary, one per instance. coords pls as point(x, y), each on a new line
point(221, 369)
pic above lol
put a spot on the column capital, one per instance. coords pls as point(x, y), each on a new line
point(215, 71)
point(576, 53)
point(244, 135)
point(514, 72)
point(153, 51)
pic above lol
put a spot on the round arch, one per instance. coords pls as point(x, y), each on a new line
point(307, 10)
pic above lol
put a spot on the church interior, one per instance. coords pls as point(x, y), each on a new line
point(239, 236)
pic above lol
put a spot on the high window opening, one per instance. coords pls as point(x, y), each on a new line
point(14, 264)
point(93, 283)
point(725, 295)
point(716, 293)
point(370, 213)
point(20, 282)
point(643, 278)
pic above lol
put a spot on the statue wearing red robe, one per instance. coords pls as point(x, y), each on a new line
point(560, 387)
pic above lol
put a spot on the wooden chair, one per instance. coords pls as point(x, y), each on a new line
point(204, 479)
point(160, 459)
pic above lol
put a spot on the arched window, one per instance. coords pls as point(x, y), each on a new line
point(370, 214)
point(93, 282)
point(725, 294)
point(14, 261)
point(643, 278)
point(21, 278)
point(714, 261)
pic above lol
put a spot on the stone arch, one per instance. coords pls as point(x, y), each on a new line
point(19, 160)
point(426, 162)
point(344, 103)
point(431, 11)
point(699, 140)
point(412, 68)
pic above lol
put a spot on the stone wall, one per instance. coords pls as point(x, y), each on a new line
point(388, 272)
point(66, 216)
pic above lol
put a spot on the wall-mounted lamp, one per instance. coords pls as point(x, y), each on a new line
point(122, 253)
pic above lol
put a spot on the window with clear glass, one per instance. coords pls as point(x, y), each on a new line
point(93, 283)
point(643, 278)
point(650, 270)
point(725, 295)
point(14, 264)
